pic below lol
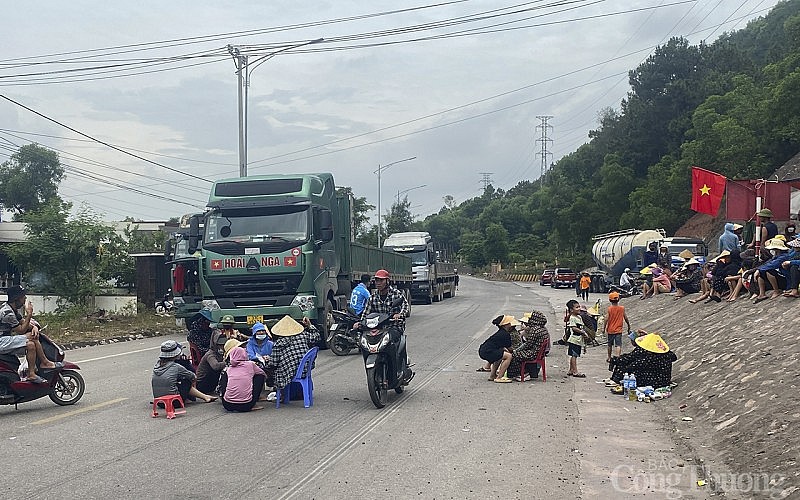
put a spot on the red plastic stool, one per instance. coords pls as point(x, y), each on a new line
point(169, 405)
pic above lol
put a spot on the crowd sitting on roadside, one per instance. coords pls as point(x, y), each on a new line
point(772, 272)
point(235, 370)
point(506, 349)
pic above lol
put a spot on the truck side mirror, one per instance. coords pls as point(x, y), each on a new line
point(325, 225)
point(194, 234)
point(168, 249)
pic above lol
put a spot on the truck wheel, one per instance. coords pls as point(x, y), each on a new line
point(325, 322)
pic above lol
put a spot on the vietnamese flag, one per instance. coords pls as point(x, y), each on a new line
point(707, 190)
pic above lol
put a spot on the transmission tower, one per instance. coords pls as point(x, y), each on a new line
point(544, 143)
point(486, 179)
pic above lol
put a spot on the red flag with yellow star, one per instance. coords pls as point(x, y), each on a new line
point(707, 190)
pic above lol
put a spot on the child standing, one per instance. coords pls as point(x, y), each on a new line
point(575, 341)
point(586, 281)
point(615, 316)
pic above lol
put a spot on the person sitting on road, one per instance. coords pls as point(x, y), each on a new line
point(19, 334)
point(292, 342)
point(660, 284)
point(171, 375)
point(687, 279)
point(360, 295)
point(259, 347)
point(241, 383)
point(225, 326)
point(199, 335)
point(534, 334)
point(769, 229)
point(792, 269)
point(211, 364)
point(706, 270)
point(650, 361)
point(727, 264)
point(497, 348)
point(772, 272)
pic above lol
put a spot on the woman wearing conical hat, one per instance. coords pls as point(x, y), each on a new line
point(651, 361)
point(534, 333)
point(292, 340)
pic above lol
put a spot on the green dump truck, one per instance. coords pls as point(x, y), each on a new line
point(273, 245)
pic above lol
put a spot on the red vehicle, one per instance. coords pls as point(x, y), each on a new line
point(547, 278)
point(563, 276)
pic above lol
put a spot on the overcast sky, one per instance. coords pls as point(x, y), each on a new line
point(462, 105)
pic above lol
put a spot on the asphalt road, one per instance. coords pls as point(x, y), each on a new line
point(452, 434)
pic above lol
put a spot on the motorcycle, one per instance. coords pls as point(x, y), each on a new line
point(384, 371)
point(65, 386)
point(343, 338)
point(634, 290)
point(165, 305)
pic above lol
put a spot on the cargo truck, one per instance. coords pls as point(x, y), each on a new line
point(433, 279)
point(273, 245)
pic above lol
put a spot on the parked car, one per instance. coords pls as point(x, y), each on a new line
point(563, 276)
point(547, 278)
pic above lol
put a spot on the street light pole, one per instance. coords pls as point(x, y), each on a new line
point(408, 190)
point(243, 72)
point(378, 171)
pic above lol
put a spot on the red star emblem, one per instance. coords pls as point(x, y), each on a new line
point(290, 261)
point(216, 264)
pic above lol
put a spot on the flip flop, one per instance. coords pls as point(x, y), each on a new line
point(579, 375)
point(483, 369)
point(502, 380)
point(36, 379)
point(759, 299)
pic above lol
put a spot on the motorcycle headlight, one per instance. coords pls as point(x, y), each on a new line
point(371, 322)
point(211, 304)
point(304, 302)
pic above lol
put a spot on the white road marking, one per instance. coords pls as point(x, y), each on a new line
point(118, 354)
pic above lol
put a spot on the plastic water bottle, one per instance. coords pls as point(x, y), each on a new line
point(626, 383)
point(632, 389)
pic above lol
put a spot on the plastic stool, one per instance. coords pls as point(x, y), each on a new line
point(169, 405)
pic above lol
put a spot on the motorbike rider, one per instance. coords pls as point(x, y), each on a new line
point(625, 281)
point(381, 301)
point(360, 295)
point(20, 333)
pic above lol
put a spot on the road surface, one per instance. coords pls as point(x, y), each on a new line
point(452, 434)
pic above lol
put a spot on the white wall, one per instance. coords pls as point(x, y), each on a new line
point(111, 303)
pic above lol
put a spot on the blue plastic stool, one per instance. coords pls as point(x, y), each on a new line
point(305, 382)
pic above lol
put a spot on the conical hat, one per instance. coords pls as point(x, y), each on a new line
point(686, 254)
point(652, 342)
point(287, 327)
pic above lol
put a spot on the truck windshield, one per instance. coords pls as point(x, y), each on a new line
point(258, 225)
point(418, 258)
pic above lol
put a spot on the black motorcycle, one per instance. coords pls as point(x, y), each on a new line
point(343, 338)
point(384, 358)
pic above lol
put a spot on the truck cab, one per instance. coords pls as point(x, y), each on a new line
point(432, 279)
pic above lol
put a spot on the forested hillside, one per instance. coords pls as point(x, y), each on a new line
point(732, 106)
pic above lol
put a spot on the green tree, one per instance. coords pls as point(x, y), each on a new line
point(29, 179)
point(67, 252)
point(495, 244)
point(399, 218)
point(360, 210)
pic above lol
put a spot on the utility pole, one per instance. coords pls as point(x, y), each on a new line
point(486, 179)
point(544, 141)
point(240, 61)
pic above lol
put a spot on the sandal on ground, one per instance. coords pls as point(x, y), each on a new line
point(759, 299)
point(579, 375)
point(502, 380)
point(483, 369)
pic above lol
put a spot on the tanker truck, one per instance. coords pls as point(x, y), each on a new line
point(615, 251)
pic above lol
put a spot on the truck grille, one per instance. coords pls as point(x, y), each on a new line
point(245, 291)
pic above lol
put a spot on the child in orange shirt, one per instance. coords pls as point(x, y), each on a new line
point(615, 316)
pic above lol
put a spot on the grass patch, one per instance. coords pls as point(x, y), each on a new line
point(73, 326)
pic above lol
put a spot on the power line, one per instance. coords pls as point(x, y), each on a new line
point(102, 142)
